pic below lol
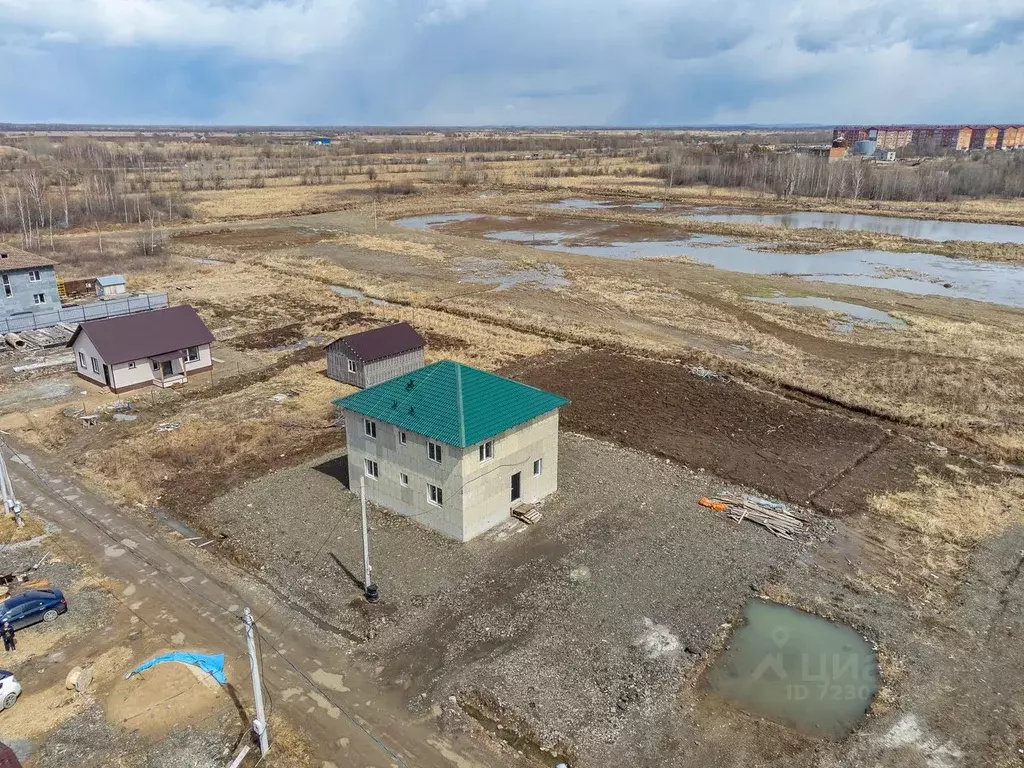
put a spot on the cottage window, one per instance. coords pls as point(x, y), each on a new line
point(156, 366)
point(538, 467)
point(95, 365)
point(370, 467)
point(403, 479)
point(370, 428)
point(81, 360)
point(131, 365)
point(191, 354)
point(487, 451)
point(7, 286)
point(34, 276)
point(434, 452)
point(38, 298)
point(436, 496)
point(402, 438)
point(351, 366)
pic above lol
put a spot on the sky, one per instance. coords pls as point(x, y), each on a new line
point(640, 63)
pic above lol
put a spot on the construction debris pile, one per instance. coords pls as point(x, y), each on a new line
point(42, 338)
point(773, 515)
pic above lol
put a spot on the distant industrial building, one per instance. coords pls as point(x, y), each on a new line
point(932, 137)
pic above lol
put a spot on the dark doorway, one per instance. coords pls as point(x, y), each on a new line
point(106, 374)
point(166, 369)
point(516, 494)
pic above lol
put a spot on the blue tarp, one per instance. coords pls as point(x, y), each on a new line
point(211, 664)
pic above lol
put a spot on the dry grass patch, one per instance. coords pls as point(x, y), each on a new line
point(12, 534)
point(959, 511)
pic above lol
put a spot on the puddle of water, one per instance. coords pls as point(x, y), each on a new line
point(434, 220)
point(853, 311)
point(919, 273)
point(355, 293)
point(797, 669)
point(923, 229)
point(492, 271)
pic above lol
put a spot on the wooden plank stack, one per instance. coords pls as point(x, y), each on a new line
point(527, 513)
point(772, 515)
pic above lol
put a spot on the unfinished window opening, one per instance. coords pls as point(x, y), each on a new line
point(487, 450)
point(38, 298)
point(351, 366)
point(131, 365)
point(403, 479)
point(370, 468)
point(370, 427)
point(191, 354)
point(7, 287)
point(402, 438)
point(434, 452)
point(538, 467)
point(436, 496)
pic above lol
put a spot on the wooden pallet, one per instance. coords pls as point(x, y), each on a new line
point(527, 513)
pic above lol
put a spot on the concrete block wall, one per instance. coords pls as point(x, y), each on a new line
point(23, 290)
point(487, 485)
point(392, 459)
point(477, 495)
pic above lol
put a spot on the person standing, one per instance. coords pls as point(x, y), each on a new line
point(8, 634)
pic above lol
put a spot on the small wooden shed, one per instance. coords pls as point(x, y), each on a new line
point(371, 357)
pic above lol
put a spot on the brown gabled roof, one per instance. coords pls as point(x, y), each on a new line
point(379, 343)
point(15, 258)
point(145, 334)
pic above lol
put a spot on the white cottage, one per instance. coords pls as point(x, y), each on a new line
point(157, 348)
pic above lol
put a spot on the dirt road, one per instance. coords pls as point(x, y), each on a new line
point(183, 592)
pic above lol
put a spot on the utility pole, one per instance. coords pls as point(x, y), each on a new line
point(259, 724)
point(11, 503)
point(369, 588)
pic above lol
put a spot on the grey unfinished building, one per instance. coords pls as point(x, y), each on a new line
point(29, 283)
point(452, 446)
point(371, 357)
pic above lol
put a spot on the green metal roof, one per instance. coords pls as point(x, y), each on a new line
point(452, 403)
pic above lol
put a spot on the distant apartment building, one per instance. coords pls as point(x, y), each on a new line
point(933, 138)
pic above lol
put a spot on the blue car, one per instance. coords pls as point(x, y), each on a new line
point(32, 607)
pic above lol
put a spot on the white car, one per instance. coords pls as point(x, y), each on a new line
point(10, 689)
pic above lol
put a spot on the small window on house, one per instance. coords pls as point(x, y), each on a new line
point(434, 452)
point(538, 467)
point(370, 467)
point(7, 286)
point(33, 276)
point(191, 354)
point(95, 365)
point(131, 365)
point(403, 479)
point(351, 366)
point(370, 428)
point(402, 438)
point(436, 497)
point(487, 450)
point(81, 360)
point(156, 366)
point(38, 298)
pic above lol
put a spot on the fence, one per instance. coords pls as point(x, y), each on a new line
point(95, 310)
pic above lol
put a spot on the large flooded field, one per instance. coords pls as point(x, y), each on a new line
point(918, 273)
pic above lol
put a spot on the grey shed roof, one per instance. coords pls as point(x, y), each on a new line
point(145, 334)
point(108, 280)
point(380, 343)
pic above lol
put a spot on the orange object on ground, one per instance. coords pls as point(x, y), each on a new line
point(718, 506)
